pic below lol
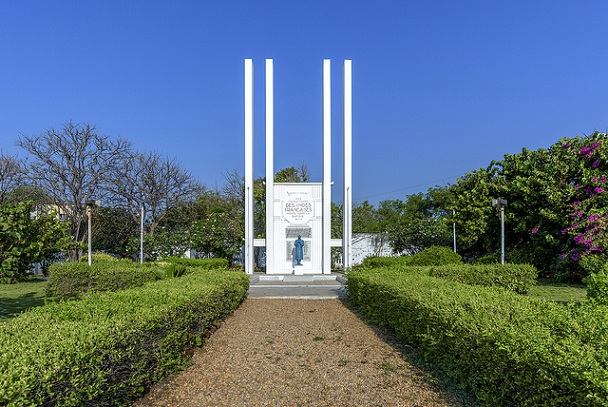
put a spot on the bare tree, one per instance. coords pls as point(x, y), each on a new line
point(153, 182)
point(71, 166)
point(10, 175)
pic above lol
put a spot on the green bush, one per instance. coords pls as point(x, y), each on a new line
point(107, 349)
point(208, 264)
point(507, 349)
point(376, 261)
point(75, 278)
point(594, 263)
point(101, 258)
point(434, 256)
point(170, 271)
point(597, 287)
point(515, 277)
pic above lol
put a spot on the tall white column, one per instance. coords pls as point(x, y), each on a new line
point(249, 253)
point(269, 165)
point(348, 165)
point(326, 166)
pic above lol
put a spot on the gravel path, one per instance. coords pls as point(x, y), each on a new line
point(296, 353)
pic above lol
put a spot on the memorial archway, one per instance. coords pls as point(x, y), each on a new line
point(303, 210)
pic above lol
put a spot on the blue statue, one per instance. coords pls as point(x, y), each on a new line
point(299, 250)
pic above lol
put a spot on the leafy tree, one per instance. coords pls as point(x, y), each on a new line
point(366, 218)
point(540, 187)
point(112, 228)
point(419, 222)
point(27, 237)
point(292, 174)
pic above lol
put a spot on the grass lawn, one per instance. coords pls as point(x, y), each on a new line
point(558, 292)
point(16, 298)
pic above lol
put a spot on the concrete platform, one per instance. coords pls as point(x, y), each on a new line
point(306, 287)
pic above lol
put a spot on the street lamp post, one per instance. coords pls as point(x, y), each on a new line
point(454, 227)
point(89, 204)
point(141, 235)
point(501, 204)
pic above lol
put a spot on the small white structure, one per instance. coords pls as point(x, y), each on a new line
point(302, 209)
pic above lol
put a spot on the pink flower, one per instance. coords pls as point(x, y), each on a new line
point(534, 230)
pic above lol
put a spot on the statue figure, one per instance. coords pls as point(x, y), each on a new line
point(299, 250)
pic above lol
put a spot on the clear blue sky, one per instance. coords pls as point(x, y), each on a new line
point(440, 87)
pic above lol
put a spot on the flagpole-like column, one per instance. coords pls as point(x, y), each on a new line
point(326, 166)
point(348, 165)
point(269, 165)
point(249, 253)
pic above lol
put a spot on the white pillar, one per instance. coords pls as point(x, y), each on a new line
point(269, 165)
point(326, 166)
point(249, 253)
point(348, 166)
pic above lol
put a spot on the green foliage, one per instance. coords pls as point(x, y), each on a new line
point(540, 187)
point(99, 258)
point(170, 271)
point(515, 277)
point(597, 287)
point(507, 349)
point(109, 348)
point(420, 222)
point(381, 261)
point(26, 239)
point(112, 230)
point(207, 264)
point(594, 263)
point(76, 278)
point(434, 256)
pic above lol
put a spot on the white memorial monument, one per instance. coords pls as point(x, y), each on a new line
point(298, 215)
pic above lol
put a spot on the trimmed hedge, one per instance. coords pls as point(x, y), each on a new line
point(434, 256)
point(508, 350)
point(208, 264)
point(376, 261)
point(107, 349)
point(74, 278)
point(431, 256)
point(515, 277)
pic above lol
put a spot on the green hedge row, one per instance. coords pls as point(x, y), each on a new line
point(431, 256)
point(108, 348)
point(209, 264)
point(76, 278)
point(515, 277)
point(507, 349)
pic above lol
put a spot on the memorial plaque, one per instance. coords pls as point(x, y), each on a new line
point(293, 233)
point(298, 210)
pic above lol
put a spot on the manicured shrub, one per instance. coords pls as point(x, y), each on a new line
point(515, 277)
point(507, 349)
point(75, 278)
point(208, 264)
point(101, 257)
point(107, 349)
point(434, 256)
point(377, 261)
point(597, 287)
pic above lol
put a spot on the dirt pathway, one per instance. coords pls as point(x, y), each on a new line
point(296, 353)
